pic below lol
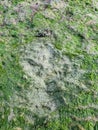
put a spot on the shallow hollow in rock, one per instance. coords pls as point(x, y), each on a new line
point(52, 77)
point(45, 65)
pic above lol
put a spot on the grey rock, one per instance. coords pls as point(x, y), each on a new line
point(44, 64)
point(52, 76)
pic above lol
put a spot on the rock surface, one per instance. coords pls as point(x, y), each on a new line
point(48, 65)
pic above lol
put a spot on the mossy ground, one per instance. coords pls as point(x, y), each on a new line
point(75, 32)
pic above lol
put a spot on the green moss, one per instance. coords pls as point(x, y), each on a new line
point(73, 31)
